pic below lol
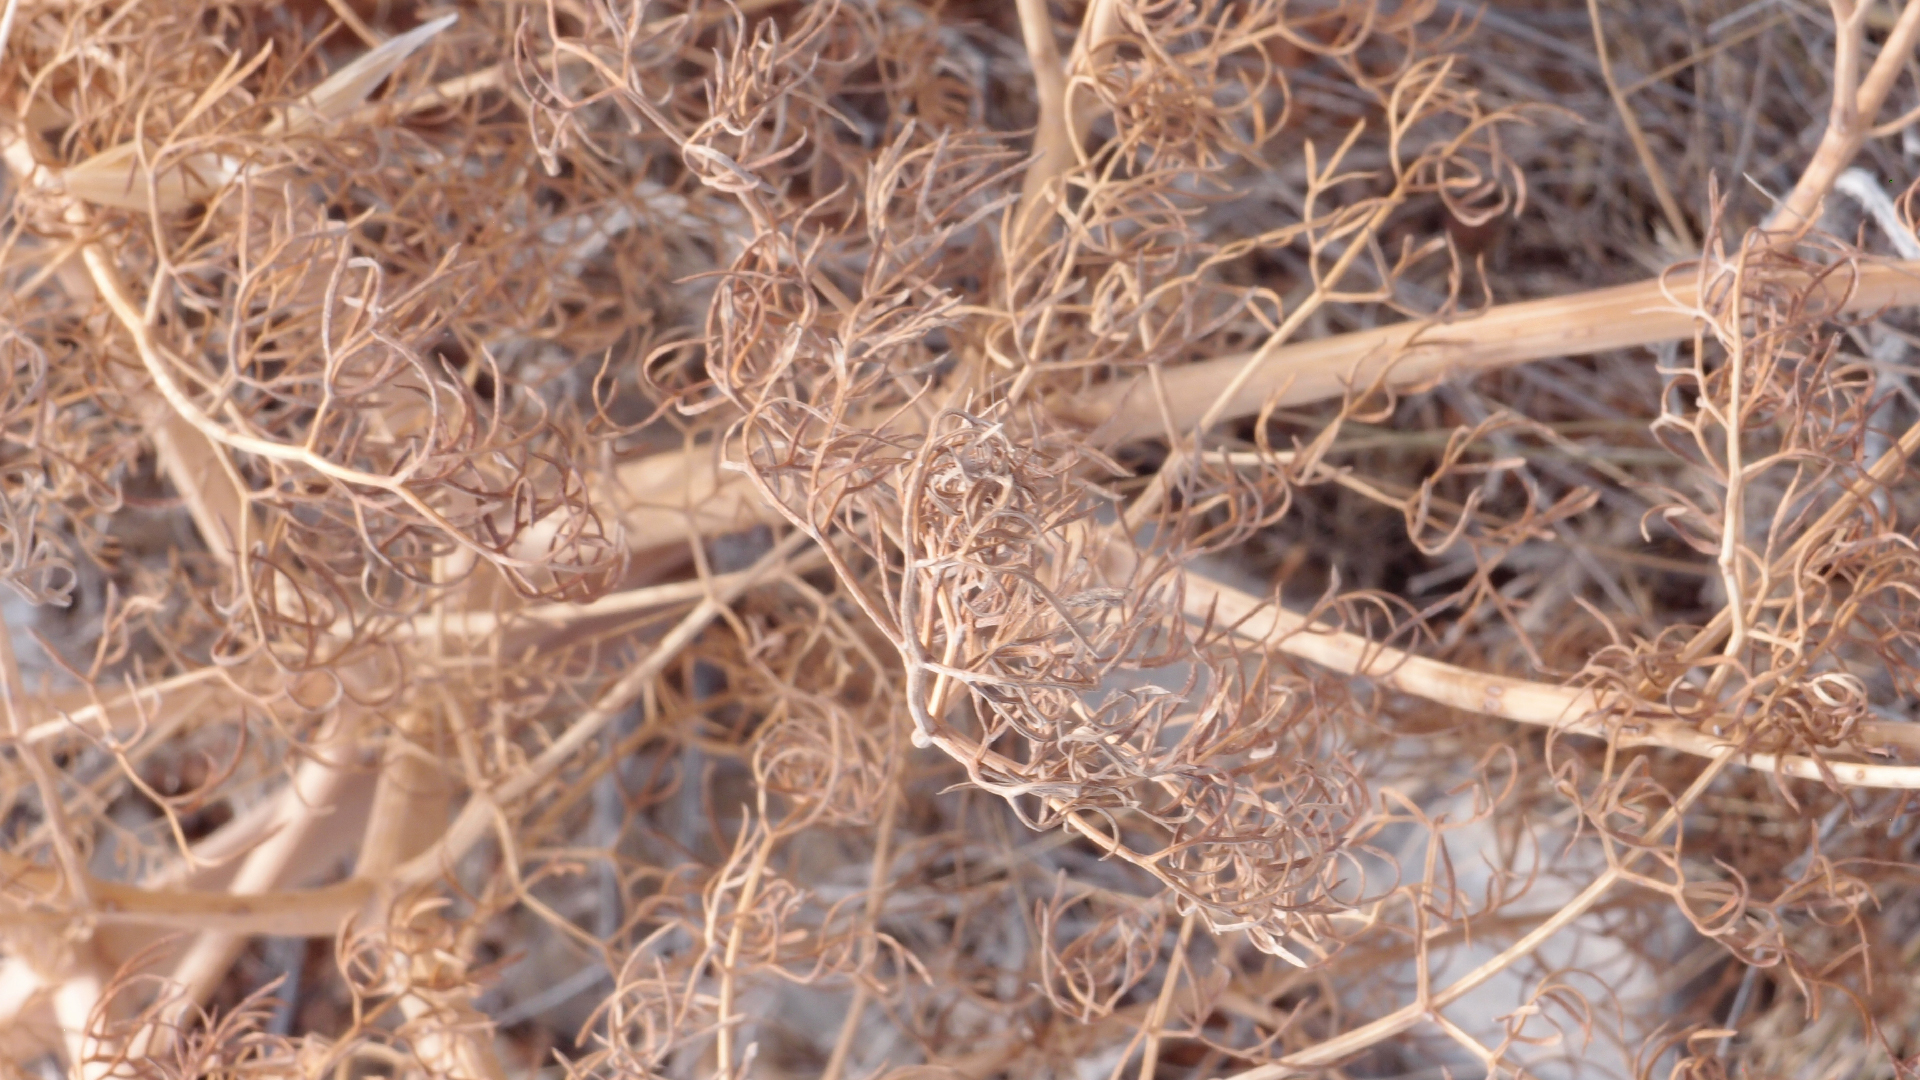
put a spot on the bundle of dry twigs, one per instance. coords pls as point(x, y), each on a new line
point(628, 538)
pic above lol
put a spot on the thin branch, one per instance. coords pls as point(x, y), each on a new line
point(1402, 355)
point(1163, 1004)
point(1564, 710)
point(482, 810)
point(1054, 152)
point(295, 913)
point(53, 806)
point(304, 805)
point(878, 880)
point(1855, 105)
point(1407, 1017)
point(1650, 164)
point(1416, 352)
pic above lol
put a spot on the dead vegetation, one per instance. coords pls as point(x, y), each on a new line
point(953, 540)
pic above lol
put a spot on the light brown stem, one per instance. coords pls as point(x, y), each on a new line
point(453, 1039)
point(306, 802)
point(1232, 388)
point(107, 279)
point(1054, 152)
point(749, 891)
point(1883, 470)
point(75, 1001)
point(669, 497)
point(410, 803)
point(1733, 528)
point(1656, 176)
point(214, 860)
point(481, 811)
point(196, 469)
point(1852, 113)
point(1409, 1016)
point(1157, 1019)
point(481, 624)
point(1565, 710)
point(1417, 352)
point(122, 712)
point(299, 913)
point(1100, 27)
point(53, 807)
point(7, 13)
point(1399, 356)
point(878, 879)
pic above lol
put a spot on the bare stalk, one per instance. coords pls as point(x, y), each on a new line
point(1162, 1005)
point(1564, 710)
point(1856, 102)
point(1415, 353)
point(1401, 355)
point(1054, 148)
point(1406, 1018)
point(306, 802)
point(1649, 163)
point(877, 882)
point(481, 811)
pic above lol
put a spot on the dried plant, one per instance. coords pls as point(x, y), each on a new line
point(1229, 540)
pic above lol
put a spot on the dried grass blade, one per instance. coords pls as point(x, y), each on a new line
point(344, 90)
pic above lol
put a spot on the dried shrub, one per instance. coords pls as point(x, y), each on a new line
point(1239, 539)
